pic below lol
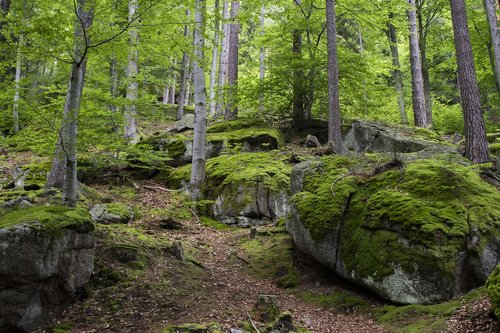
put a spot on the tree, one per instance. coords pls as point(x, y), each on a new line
point(215, 52)
point(489, 7)
point(417, 81)
point(232, 74)
point(200, 106)
point(262, 58)
point(476, 145)
point(334, 131)
point(298, 108)
point(396, 71)
point(184, 75)
point(131, 134)
point(224, 59)
point(65, 161)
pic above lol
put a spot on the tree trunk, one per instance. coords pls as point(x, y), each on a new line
point(200, 120)
point(422, 40)
point(489, 6)
point(215, 51)
point(174, 82)
point(476, 145)
point(184, 75)
point(15, 107)
point(299, 100)
point(113, 73)
point(187, 100)
point(334, 128)
point(131, 134)
point(262, 60)
point(63, 172)
point(417, 80)
point(396, 72)
point(223, 61)
point(232, 75)
point(166, 94)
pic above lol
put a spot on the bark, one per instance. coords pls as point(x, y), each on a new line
point(166, 94)
point(232, 75)
point(362, 53)
point(113, 74)
point(476, 145)
point(63, 172)
point(184, 75)
point(172, 88)
point(131, 134)
point(489, 6)
point(422, 39)
point(200, 120)
point(187, 100)
point(334, 128)
point(417, 80)
point(224, 59)
point(215, 52)
point(396, 72)
point(299, 100)
point(17, 80)
point(262, 59)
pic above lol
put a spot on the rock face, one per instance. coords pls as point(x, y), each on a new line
point(115, 213)
point(44, 261)
point(370, 137)
point(419, 233)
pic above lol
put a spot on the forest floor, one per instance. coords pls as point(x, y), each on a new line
point(222, 279)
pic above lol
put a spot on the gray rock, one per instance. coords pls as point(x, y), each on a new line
point(41, 272)
point(234, 330)
point(112, 214)
point(312, 141)
point(16, 202)
point(184, 124)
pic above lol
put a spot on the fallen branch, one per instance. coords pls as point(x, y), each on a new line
point(335, 182)
point(163, 189)
point(253, 324)
point(197, 218)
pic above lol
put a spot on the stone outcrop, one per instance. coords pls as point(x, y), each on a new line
point(420, 232)
point(113, 213)
point(46, 257)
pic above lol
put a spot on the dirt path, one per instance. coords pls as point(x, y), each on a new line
point(234, 291)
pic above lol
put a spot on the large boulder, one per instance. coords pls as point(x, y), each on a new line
point(247, 189)
point(370, 136)
point(112, 213)
point(422, 232)
point(46, 257)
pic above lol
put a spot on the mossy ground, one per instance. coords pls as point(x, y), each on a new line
point(493, 288)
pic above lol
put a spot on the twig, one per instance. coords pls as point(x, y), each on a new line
point(241, 258)
point(197, 218)
point(335, 182)
point(253, 324)
point(163, 189)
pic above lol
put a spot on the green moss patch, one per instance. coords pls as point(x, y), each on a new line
point(193, 328)
point(271, 258)
point(236, 124)
point(49, 218)
point(493, 287)
point(337, 301)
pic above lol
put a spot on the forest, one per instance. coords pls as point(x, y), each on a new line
point(212, 166)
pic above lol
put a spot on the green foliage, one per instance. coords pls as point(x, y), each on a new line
point(493, 287)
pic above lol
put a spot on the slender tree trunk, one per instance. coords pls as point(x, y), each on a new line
point(64, 168)
point(422, 40)
point(166, 94)
point(362, 53)
point(476, 145)
point(131, 133)
point(113, 73)
point(396, 72)
point(215, 52)
point(334, 128)
point(184, 75)
point(187, 100)
point(417, 80)
point(232, 75)
point(15, 107)
point(489, 6)
point(262, 59)
point(223, 61)
point(174, 82)
point(200, 112)
point(298, 108)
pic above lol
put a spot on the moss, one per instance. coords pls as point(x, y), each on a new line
point(50, 219)
point(121, 210)
point(493, 287)
point(63, 327)
point(192, 328)
point(8, 195)
point(245, 134)
point(338, 301)
point(418, 216)
point(495, 148)
point(269, 169)
point(208, 222)
point(133, 236)
point(270, 257)
point(236, 124)
point(422, 318)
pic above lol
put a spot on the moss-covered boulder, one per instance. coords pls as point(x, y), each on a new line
point(370, 136)
point(493, 287)
point(247, 188)
point(192, 328)
point(416, 233)
point(46, 257)
point(113, 213)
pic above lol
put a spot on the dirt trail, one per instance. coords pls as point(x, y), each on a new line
point(234, 291)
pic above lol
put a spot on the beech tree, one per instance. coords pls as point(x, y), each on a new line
point(184, 75)
point(334, 132)
point(215, 53)
point(231, 111)
point(491, 16)
point(417, 81)
point(200, 106)
point(476, 145)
